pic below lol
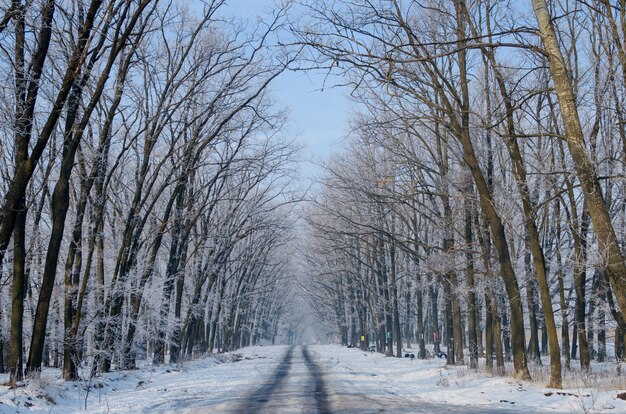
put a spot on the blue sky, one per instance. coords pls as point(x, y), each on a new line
point(318, 118)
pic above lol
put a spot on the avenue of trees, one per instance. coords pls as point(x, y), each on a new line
point(149, 203)
point(481, 199)
point(146, 186)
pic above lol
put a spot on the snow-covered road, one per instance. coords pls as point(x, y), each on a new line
point(314, 379)
point(306, 381)
point(296, 386)
point(332, 379)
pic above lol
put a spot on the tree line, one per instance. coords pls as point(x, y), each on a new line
point(481, 199)
point(147, 190)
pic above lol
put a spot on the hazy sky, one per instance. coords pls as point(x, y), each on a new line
point(317, 118)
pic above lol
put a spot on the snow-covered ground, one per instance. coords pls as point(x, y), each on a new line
point(170, 388)
point(430, 383)
point(354, 381)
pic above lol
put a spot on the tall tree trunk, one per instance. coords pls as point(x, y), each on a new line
point(471, 299)
point(565, 341)
point(434, 318)
point(15, 360)
point(575, 337)
point(449, 332)
point(23, 127)
point(488, 334)
point(421, 334)
point(602, 318)
point(408, 327)
point(497, 332)
point(394, 294)
point(170, 276)
point(533, 345)
point(580, 280)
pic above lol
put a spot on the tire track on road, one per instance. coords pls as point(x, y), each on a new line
point(321, 395)
point(260, 397)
